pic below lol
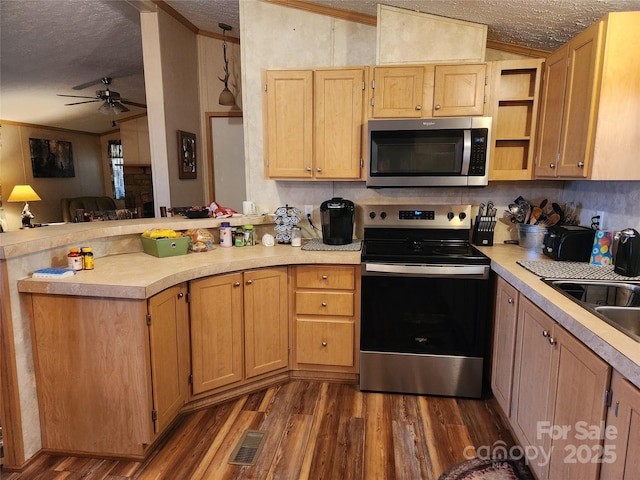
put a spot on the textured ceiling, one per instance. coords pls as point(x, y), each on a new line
point(50, 46)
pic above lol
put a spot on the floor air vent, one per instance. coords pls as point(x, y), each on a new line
point(248, 448)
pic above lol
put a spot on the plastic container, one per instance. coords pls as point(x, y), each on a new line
point(238, 238)
point(226, 235)
point(531, 236)
point(165, 247)
point(87, 258)
point(74, 259)
point(249, 235)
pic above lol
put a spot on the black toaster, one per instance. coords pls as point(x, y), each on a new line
point(568, 243)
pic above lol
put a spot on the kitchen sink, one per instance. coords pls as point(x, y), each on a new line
point(626, 319)
point(617, 303)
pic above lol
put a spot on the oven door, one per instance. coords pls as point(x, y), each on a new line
point(425, 309)
point(423, 331)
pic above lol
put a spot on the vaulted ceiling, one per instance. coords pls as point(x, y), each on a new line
point(50, 47)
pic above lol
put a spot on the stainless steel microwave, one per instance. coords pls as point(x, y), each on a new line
point(428, 152)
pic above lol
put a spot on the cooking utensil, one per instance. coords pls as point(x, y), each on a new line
point(536, 212)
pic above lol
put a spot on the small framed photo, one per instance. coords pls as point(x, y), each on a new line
point(187, 159)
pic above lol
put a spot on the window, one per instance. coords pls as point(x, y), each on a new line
point(117, 168)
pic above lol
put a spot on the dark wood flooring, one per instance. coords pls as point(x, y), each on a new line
point(315, 430)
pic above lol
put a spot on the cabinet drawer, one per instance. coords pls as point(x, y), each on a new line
point(325, 277)
point(325, 342)
point(325, 303)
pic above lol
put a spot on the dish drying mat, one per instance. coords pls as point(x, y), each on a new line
point(572, 270)
point(315, 244)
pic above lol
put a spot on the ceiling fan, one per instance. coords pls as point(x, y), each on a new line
point(112, 102)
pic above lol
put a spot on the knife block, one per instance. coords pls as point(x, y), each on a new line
point(483, 237)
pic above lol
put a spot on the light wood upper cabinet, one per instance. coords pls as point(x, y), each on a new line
point(289, 124)
point(314, 124)
point(504, 343)
point(134, 134)
point(399, 92)
point(428, 91)
point(239, 327)
point(459, 90)
point(621, 451)
point(112, 374)
point(557, 382)
point(589, 121)
point(515, 90)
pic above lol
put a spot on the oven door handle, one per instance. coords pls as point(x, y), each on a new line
point(481, 271)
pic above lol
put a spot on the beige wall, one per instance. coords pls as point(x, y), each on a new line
point(15, 169)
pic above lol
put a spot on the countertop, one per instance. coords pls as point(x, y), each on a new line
point(139, 275)
point(616, 348)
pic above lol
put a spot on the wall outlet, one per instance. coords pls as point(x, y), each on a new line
point(308, 211)
point(600, 220)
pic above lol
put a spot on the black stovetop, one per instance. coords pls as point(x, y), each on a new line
point(419, 246)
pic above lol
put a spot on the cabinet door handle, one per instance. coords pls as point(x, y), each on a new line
point(510, 301)
point(249, 282)
point(552, 166)
point(180, 295)
point(437, 107)
point(580, 164)
point(419, 107)
point(545, 333)
point(318, 169)
point(324, 304)
point(552, 341)
point(324, 344)
point(308, 169)
point(237, 284)
point(324, 277)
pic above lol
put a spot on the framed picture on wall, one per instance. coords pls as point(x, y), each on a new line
point(51, 158)
point(187, 160)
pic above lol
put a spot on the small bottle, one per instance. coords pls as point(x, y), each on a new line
point(87, 258)
point(226, 236)
point(296, 237)
point(249, 235)
point(74, 259)
point(239, 238)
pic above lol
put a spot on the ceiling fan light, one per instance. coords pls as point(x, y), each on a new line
point(226, 98)
point(105, 108)
point(117, 108)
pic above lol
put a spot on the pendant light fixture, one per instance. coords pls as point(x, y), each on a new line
point(226, 97)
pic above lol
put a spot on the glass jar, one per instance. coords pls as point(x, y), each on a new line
point(296, 237)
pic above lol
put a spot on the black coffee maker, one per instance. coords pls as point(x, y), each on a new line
point(337, 221)
point(627, 256)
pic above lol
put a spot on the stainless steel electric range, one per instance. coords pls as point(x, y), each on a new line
point(426, 300)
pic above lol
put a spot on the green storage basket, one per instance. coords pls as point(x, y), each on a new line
point(165, 247)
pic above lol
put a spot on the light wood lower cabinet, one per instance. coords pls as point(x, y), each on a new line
point(621, 452)
point(504, 343)
point(111, 374)
point(239, 327)
point(559, 389)
point(325, 312)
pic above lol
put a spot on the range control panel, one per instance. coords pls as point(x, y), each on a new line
point(417, 216)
